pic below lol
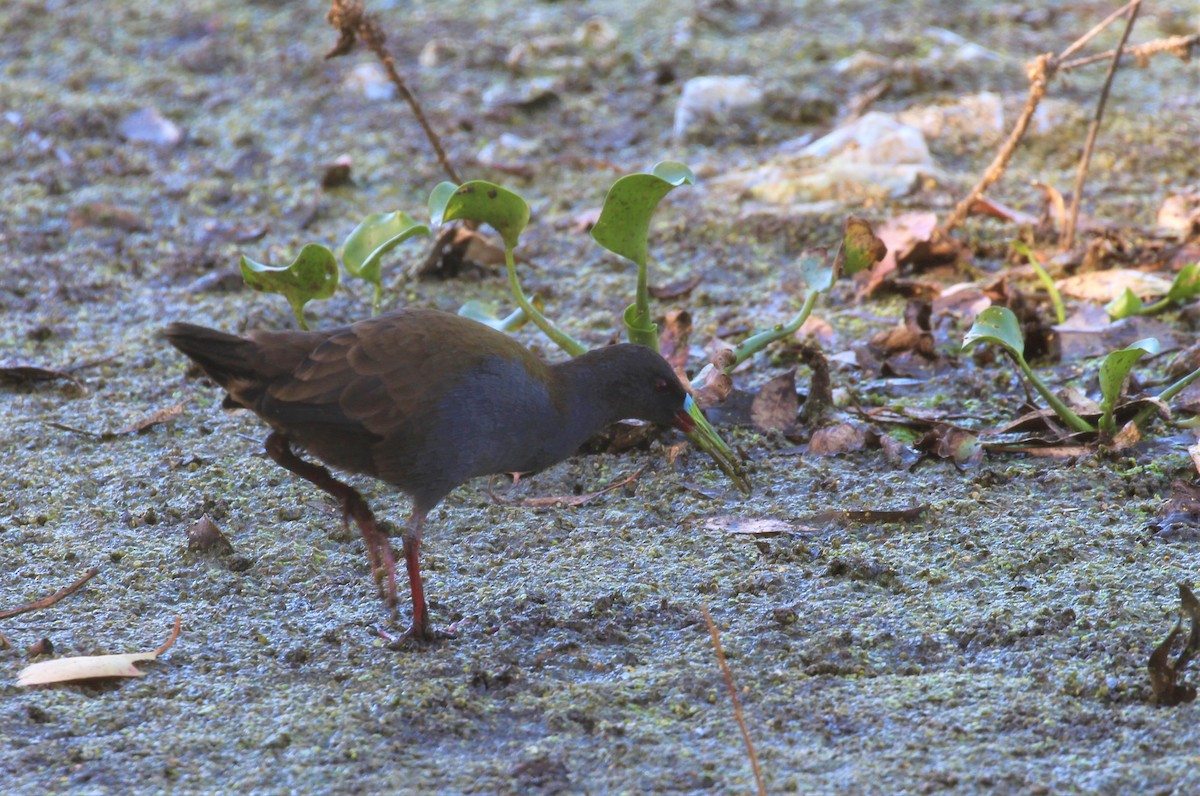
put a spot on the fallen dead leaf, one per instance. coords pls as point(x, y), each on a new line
point(673, 339)
point(1164, 675)
point(1101, 287)
point(993, 209)
point(776, 404)
point(337, 174)
point(90, 667)
point(204, 535)
point(750, 526)
point(26, 374)
point(137, 427)
point(842, 438)
point(902, 235)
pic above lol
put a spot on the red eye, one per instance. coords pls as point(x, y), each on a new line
point(661, 385)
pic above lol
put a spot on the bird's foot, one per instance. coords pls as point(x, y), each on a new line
point(415, 636)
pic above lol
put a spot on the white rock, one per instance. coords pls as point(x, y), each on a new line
point(148, 126)
point(981, 115)
point(875, 157)
point(716, 99)
point(875, 138)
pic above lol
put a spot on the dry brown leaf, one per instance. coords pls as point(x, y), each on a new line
point(711, 386)
point(337, 173)
point(19, 374)
point(842, 438)
point(146, 423)
point(902, 235)
point(673, 339)
point(1101, 287)
point(90, 667)
point(155, 419)
point(776, 404)
point(993, 209)
point(748, 526)
point(204, 535)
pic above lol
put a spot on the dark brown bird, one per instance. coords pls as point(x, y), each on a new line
point(425, 401)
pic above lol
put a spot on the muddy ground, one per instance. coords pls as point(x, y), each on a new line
point(997, 644)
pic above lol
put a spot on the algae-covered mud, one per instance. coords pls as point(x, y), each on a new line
point(997, 643)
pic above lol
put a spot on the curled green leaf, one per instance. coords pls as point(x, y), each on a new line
point(312, 275)
point(1186, 284)
point(485, 202)
point(1125, 305)
point(997, 325)
point(378, 234)
point(1113, 371)
point(624, 224)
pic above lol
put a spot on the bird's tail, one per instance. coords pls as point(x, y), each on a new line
point(226, 358)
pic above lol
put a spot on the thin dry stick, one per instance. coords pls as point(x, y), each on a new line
point(733, 697)
point(1180, 46)
point(1095, 31)
point(352, 22)
point(1094, 128)
point(46, 602)
point(1040, 72)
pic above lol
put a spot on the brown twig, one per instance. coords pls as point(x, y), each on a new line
point(1181, 46)
point(352, 22)
point(166, 645)
point(46, 602)
point(1094, 128)
point(733, 697)
point(1040, 71)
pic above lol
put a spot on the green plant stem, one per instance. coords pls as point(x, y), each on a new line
point(757, 342)
point(377, 300)
point(1055, 297)
point(298, 311)
point(560, 338)
point(1073, 420)
point(642, 297)
point(1166, 395)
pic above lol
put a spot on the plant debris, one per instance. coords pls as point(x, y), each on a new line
point(91, 667)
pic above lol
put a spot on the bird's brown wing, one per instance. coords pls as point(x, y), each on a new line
point(388, 371)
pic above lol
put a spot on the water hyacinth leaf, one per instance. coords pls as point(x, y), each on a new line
point(860, 248)
point(485, 202)
point(624, 224)
point(1113, 371)
point(378, 234)
point(1000, 326)
point(1125, 305)
point(312, 275)
point(1186, 284)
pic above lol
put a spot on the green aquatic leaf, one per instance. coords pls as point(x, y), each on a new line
point(997, 325)
point(485, 202)
point(624, 224)
point(312, 275)
point(1113, 371)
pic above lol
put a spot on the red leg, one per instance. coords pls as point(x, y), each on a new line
point(412, 561)
point(379, 549)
